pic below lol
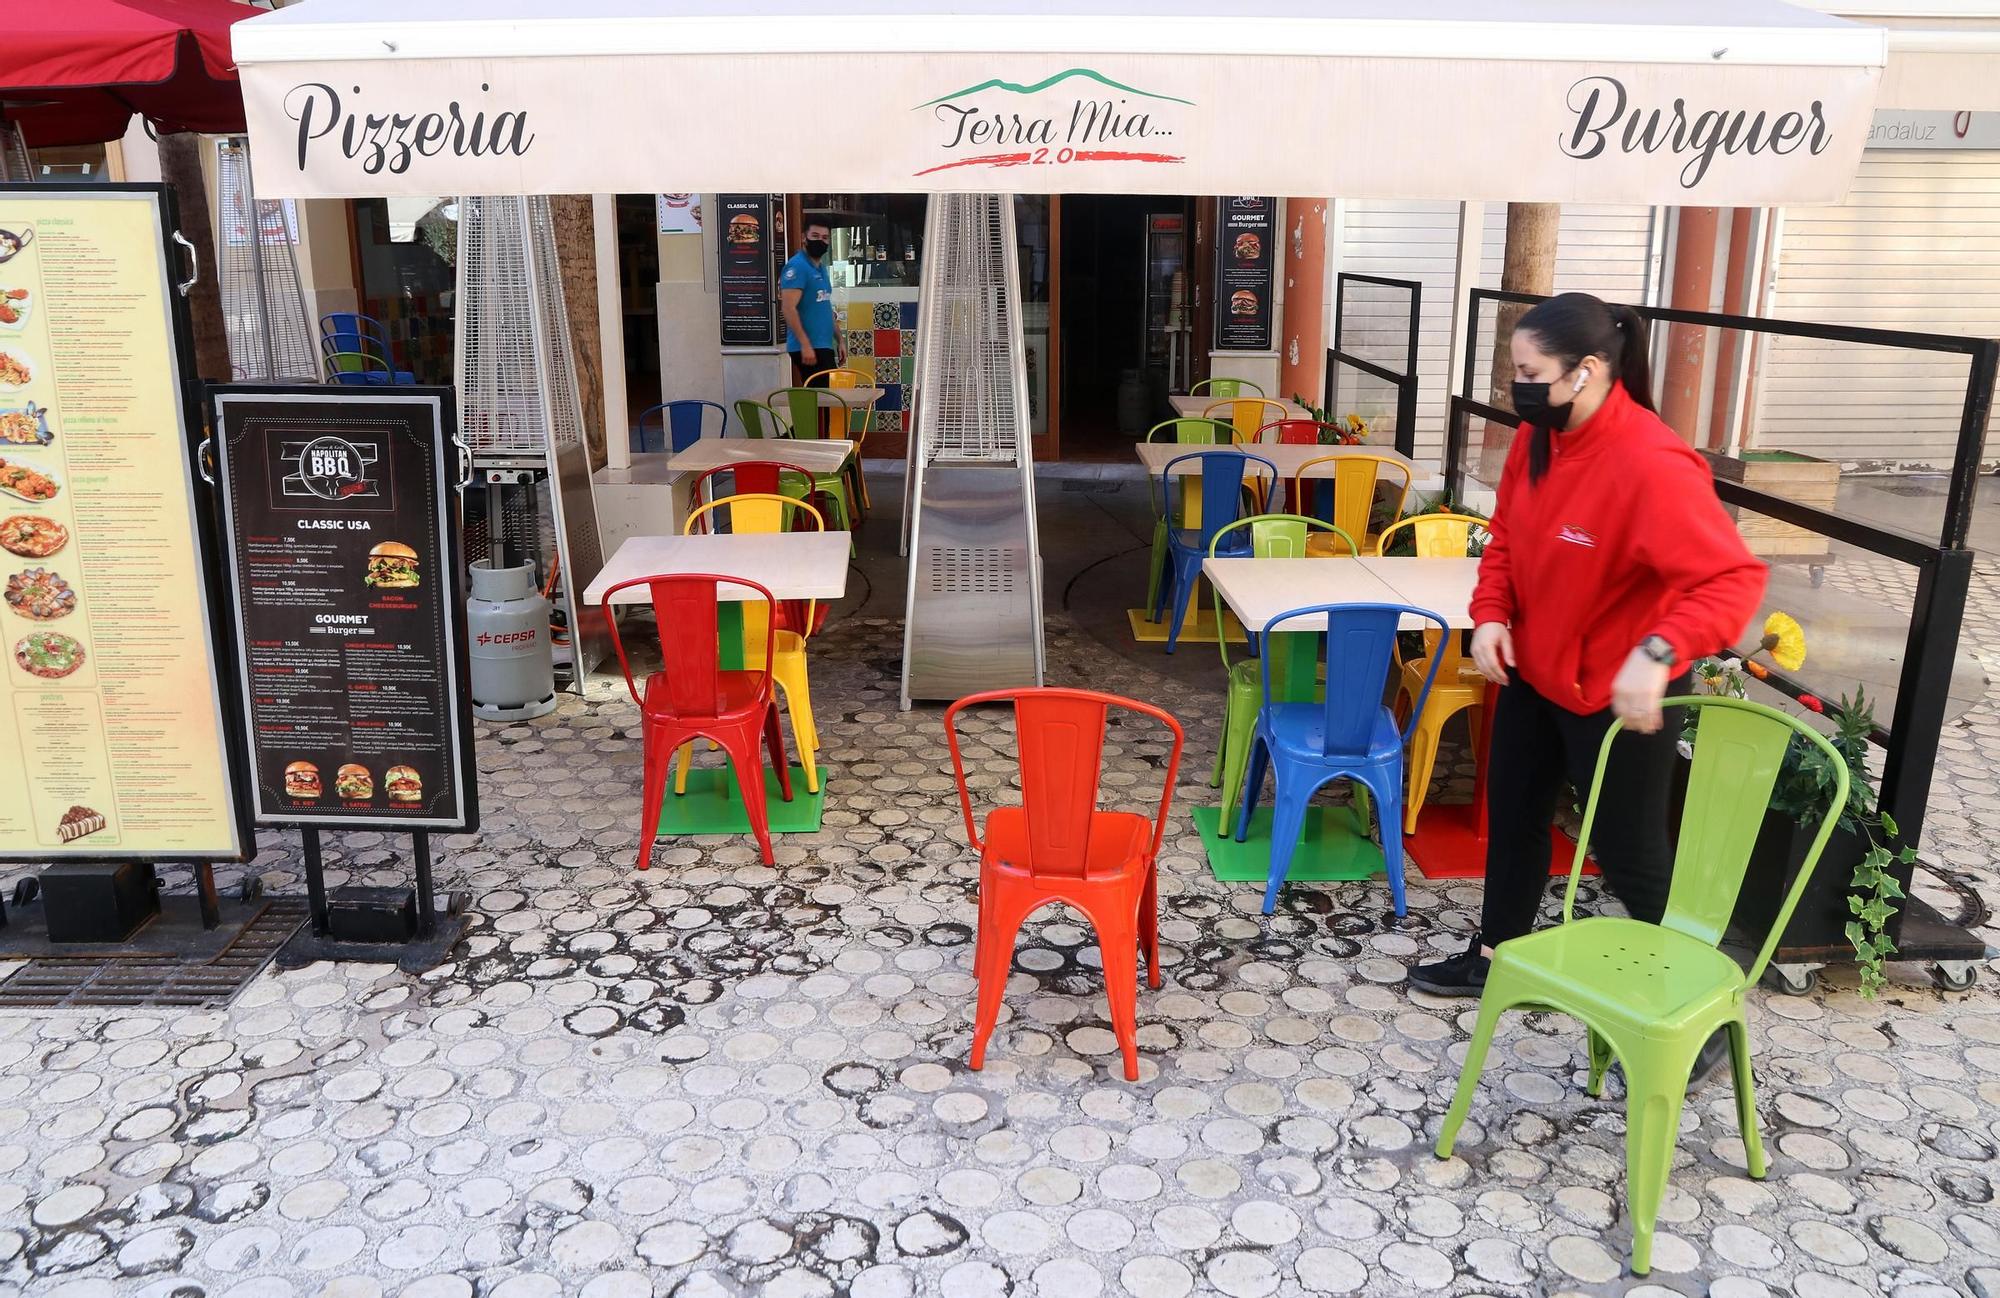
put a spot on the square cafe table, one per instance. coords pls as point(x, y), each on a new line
point(853, 398)
point(791, 565)
point(1188, 407)
point(816, 455)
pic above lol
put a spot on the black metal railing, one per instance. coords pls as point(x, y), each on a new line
point(1404, 380)
point(1943, 566)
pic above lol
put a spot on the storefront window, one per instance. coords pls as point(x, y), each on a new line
point(407, 251)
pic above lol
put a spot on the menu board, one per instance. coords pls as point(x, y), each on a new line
point(113, 736)
point(746, 279)
point(344, 575)
point(1246, 263)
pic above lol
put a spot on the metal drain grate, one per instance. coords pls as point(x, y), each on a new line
point(134, 981)
point(979, 570)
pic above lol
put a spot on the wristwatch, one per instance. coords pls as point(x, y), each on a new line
point(1659, 650)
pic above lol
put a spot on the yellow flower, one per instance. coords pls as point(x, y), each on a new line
point(1785, 640)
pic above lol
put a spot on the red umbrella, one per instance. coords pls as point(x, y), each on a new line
point(74, 71)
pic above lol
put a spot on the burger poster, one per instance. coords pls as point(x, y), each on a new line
point(344, 571)
point(1245, 272)
point(746, 279)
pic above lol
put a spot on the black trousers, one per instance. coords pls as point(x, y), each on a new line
point(1536, 747)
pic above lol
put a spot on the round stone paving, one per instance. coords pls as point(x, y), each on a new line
point(713, 1077)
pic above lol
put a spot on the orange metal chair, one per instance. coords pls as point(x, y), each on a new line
point(1458, 686)
point(1058, 846)
point(1355, 478)
point(692, 698)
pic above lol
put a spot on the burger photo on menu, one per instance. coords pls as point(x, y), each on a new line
point(353, 783)
point(392, 566)
point(1249, 246)
point(1243, 302)
point(745, 228)
point(32, 536)
point(302, 781)
point(403, 784)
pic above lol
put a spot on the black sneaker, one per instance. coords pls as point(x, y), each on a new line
point(1458, 975)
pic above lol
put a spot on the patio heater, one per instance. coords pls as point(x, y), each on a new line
point(15, 166)
point(263, 303)
point(522, 417)
point(973, 619)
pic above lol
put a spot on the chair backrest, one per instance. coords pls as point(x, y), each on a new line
point(763, 513)
point(858, 412)
point(353, 332)
point(1360, 641)
point(684, 606)
point(687, 421)
point(807, 410)
point(837, 378)
point(1225, 388)
point(1193, 430)
point(1435, 536)
point(758, 419)
point(1272, 536)
point(1739, 748)
point(1248, 415)
point(750, 478)
point(1059, 736)
point(652, 417)
point(357, 368)
point(1294, 432)
point(1354, 482)
point(1222, 474)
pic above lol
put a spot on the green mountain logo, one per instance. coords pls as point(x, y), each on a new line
point(1014, 87)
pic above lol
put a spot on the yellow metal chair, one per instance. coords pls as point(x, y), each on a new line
point(860, 416)
point(1248, 415)
point(760, 513)
point(1355, 479)
point(1458, 686)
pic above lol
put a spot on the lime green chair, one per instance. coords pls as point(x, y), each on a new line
point(1294, 668)
point(807, 411)
point(1652, 994)
point(1192, 430)
point(758, 419)
point(1225, 389)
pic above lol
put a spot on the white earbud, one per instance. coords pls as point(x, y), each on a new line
point(1582, 377)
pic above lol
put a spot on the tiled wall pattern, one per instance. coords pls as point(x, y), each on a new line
point(882, 344)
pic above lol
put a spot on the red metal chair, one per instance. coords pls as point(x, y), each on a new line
point(1300, 432)
point(746, 478)
point(693, 698)
point(1057, 846)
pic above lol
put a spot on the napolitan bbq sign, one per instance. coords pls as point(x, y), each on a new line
point(1060, 123)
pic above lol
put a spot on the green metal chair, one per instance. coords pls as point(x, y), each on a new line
point(1191, 430)
point(1294, 668)
point(807, 411)
point(758, 419)
point(1652, 994)
point(1225, 388)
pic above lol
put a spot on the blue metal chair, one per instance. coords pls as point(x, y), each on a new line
point(1351, 735)
point(348, 333)
point(355, 369)
point(1222, 474)
point(679, 425)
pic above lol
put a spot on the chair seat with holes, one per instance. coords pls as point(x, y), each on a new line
point(1625, 970)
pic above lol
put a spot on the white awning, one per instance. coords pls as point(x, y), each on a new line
point(1725, 102)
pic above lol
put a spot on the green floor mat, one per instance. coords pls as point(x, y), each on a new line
point(1334, 847)
point(712, 804)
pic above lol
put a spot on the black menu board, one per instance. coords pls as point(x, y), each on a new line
point(1246, 263)
point(344, 570)
point(746, 276)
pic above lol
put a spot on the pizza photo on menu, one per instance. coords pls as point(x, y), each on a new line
point(48, 655)
point(40, 595)
point(15, 303)
point(392, 566)
point(24, 483)
point(32, 536)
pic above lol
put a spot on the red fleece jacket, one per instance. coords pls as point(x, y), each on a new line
point(1621, 539)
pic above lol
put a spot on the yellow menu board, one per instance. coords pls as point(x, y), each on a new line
point(111, 724)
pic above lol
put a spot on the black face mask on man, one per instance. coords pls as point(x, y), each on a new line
point(815, 248)
point(1531, 403)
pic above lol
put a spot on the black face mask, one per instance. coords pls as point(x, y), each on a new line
point(1531, 403)
point(815, 248)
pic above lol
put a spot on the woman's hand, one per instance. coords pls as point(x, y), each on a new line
point(1637, 690)
point(1493, 650)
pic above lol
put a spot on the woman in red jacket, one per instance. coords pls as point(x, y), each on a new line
point(1611, 568)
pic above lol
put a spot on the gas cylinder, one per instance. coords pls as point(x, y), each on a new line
point(513, 662)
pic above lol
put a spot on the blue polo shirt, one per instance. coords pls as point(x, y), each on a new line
point(815, 302)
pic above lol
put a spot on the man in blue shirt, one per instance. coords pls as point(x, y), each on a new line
point(806, 296)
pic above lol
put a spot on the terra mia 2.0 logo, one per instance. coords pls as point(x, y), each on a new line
point(1077, 116)
point(328, 468)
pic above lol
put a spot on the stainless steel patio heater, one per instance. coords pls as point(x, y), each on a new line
point(521, 412)
point(973, 620)
point(271, 338)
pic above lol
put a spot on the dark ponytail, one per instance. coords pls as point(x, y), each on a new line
point(1572, 326)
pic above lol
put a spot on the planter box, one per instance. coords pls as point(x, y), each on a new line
point(1797, 477)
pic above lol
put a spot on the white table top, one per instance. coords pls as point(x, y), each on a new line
point(1187, 406)
point(815, 455)
point(1257, 590)
point(1287, 458)
point(855, 398)
point(791, 565)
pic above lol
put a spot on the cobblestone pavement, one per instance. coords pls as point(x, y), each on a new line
point(719, 1078)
